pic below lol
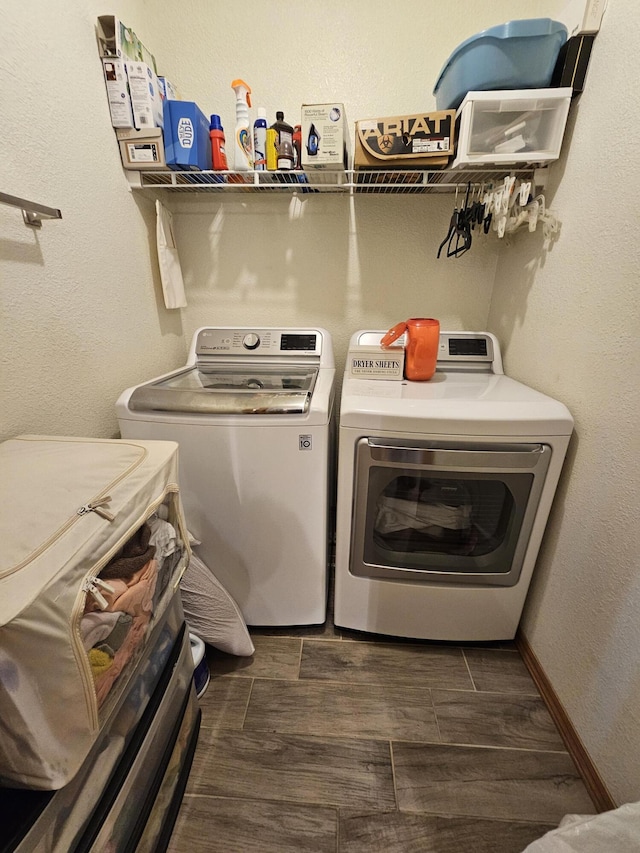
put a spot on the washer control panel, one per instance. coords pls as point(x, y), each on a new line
point(258, 342)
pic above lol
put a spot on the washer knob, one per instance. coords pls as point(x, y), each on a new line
point(251, 341)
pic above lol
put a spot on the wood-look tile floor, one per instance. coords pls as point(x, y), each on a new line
point(330, 741)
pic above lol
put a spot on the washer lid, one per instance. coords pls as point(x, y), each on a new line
point(453, 403)
point(231, 389)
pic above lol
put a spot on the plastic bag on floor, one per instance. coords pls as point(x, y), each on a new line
point(211, 612)
point(617, 830)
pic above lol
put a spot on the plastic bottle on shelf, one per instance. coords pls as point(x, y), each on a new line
point(218, 153)
point(297, 147)
point(285, 155)
point(272, 154)
point(260, 141)
point(284, 142)
point(242, 157)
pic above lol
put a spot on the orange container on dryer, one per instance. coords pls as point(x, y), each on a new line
point(422, 336)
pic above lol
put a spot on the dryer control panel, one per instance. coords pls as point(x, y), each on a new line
point(471, 351)
point(472, 346)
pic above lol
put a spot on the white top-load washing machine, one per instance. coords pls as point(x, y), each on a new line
point(252, 413)
point(444, 490)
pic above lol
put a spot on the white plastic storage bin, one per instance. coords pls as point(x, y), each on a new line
point(511, 126)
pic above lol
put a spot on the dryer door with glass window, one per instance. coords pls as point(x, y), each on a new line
point(445, 512)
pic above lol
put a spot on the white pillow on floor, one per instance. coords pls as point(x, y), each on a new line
point(211, 612)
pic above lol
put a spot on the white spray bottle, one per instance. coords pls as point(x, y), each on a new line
point(242, 157)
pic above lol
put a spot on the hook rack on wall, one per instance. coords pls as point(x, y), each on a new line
point(32, 213)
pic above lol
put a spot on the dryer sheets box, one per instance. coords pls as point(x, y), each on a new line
point(371, 362)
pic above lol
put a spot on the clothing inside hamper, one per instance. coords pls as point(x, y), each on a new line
point(117, 621)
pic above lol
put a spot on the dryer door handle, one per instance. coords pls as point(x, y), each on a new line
point(498, 457)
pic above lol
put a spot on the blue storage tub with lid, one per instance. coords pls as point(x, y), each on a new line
point(515, 55)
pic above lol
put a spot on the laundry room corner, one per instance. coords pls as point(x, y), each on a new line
point(368, 433)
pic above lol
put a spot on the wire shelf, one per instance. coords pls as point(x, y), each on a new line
point(351, 182)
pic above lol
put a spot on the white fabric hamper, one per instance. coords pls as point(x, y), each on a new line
point(68, 506)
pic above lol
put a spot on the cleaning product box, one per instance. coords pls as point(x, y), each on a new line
point(117, 83)
point(133, 93)
point(142, 150)
point(325, 137)
point(186, 136)
point(425, 139)
point(120, 42)
point(375, 362)
point(167, 89)
point(144, 91)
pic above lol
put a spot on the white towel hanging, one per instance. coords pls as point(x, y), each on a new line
point(168, 259)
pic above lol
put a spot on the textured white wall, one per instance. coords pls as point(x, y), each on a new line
point(321, 261)
point(82, 316)
point(569, 320)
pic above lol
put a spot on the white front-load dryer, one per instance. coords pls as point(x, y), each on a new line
point(444, 490)
point(252, 411)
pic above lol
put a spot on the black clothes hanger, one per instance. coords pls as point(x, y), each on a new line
point(458, 239)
